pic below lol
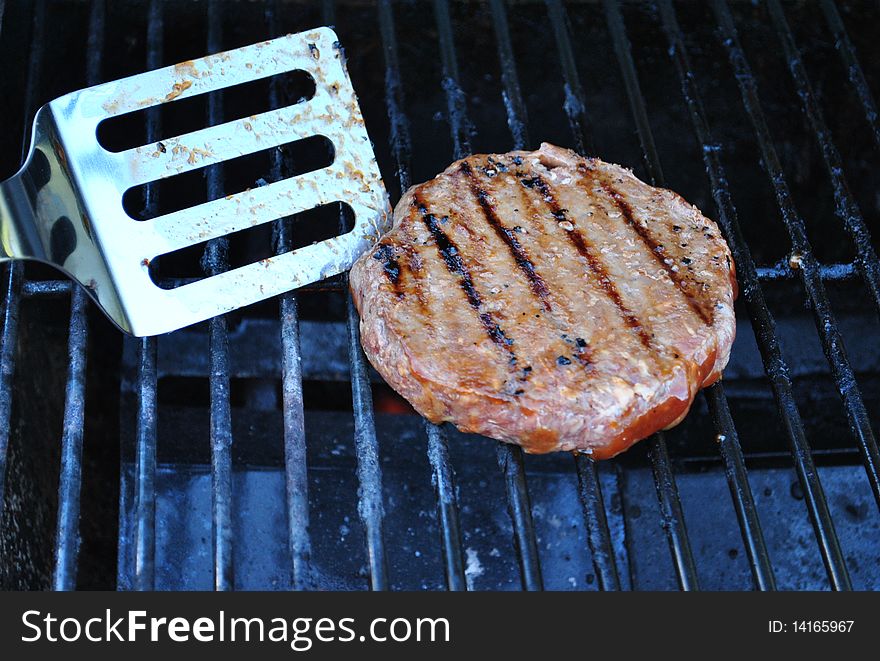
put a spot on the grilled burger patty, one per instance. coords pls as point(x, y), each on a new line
point(547, 300)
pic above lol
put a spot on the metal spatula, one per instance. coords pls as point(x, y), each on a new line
point(65, 206)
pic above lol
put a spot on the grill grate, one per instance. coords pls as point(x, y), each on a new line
point(771, 352)
point(147, 379)
point(138, 536)
point(729, 442)
point(291, 385)
point(853, 68)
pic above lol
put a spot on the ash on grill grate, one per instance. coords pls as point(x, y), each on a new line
point(251, 455)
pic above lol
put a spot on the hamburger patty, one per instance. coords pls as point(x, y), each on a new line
point(548, 300)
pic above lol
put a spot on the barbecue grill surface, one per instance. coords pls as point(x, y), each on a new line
point(258, 451)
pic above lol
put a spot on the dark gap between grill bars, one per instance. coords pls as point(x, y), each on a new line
point(185, 115)
point(253, 245)
point(181, 191)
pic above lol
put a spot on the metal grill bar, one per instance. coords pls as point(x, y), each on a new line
point(598, 533)
point(517, 119)
point(447, 507)
point(731, 452)
point(623, 52)
point(461, 129)
point(294, 429)
point(456, 105)
point(664, 480)
point(589, 488)
point(838, 272)
point(370, 506)
point(145, 468)
point(297, 482)
point(398, 137)
point(762, 321)
point(575, 108)
point(740, 490)
point(438, 452)
point(215, 261)
point(147, 379)
point(328, 12)
point(671, 514)
point(826, 324)
point(67, 536)
point(12, 278)
point(853, 68)
point(45, 288)
point(828, 272)
point(369, 471)
point(846, 207)
point(510, 458)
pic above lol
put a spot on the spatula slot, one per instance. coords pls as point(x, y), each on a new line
point(181, 116)
point(240, 174)
point(254, 244)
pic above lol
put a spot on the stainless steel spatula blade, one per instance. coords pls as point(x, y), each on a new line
point(65, 206)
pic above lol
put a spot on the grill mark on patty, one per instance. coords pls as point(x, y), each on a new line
point(384, 254)
point(656, 249)
point(588, 252)
point(565, 327)
point(455, 265)
point(520, 257)
point(584, 351)
point(413, 264)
